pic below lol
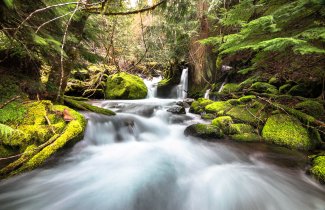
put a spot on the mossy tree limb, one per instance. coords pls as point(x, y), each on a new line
point(87, 107)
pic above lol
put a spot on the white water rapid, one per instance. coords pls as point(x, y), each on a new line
point(207, 94)
point(141, 160)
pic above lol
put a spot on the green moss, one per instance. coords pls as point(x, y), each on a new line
point(204, 131)
point(199, 105)
point(230, 87)
point(318, 168)
point(263, 87)
point(125, 86)
point(219, 107)
point(298, 90)
point(247, 115)
point(36, 112)
point(208, 116)
point(246, 137)
point(246, 99)
point(241, 128)
point(285, 88)
point(87, 107)
point(74, 130)
point(287, 131)
point(248, 82)
point(274, 81)
point(311, 107)
point(6, 151)
point(233, 102)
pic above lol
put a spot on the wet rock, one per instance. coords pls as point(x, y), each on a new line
point(177, 110)
point(204, 131)
point(188, 100)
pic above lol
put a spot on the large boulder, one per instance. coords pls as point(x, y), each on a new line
point(125, 86)
point(287, 131)
point(204, 131)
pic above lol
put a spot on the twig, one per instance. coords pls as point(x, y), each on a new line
point(54, 19)
point(7, 102)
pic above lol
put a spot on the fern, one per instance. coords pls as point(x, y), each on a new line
point(5, 131)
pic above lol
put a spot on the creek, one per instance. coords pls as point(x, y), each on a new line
point(141, 160)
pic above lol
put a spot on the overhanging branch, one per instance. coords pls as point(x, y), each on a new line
point(98, 10)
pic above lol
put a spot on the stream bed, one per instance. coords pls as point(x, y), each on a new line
point(141, 160)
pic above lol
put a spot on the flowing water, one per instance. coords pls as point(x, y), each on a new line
point(182, 88)
point(141, 160)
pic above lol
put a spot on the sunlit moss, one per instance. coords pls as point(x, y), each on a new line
point(318, 168)
point(219, 107)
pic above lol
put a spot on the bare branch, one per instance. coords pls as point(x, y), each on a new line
point(98, 10)
point(54, 19)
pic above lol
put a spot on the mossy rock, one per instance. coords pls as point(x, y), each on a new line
point(250, 115)
point(246, 137)
point(246, 99)
point(223, 122)
point(298, 90)
point(285, 130)
point(311, 107)
point(233, 102)
point(240, 128)
point(318, 168)
point(285, 88)
point(125, 86)
point(204, 131)
point(263, 87)
point(275, 81)
point(219, 107)
point(198, 106)
point(249, 81)
point(208, 116)
point(230, 88)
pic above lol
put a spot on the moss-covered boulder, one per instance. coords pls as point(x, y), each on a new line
point(285, 88)
point(250, 115)
point(285, 130)
point(208, 116)
point(125, 86)
point(240, 128)
point(246, 99)
point(311, 107)
point(263, 87)
point(204, 131)
point(198, 106)
point(230, 88)
point(219, 107)
point(246, 137)
point(223, 122)
point(318, 168)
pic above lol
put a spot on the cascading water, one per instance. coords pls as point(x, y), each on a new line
point(207, 94)
point(141, 160)
point(152, 85)
point(182, 88)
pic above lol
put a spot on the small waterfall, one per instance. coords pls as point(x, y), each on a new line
point(207, 94)
point(182, 88)
point(152, 86)
point(223, 84)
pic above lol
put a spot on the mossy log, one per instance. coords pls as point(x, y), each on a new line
point(87, 107)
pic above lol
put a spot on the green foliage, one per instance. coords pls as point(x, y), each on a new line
point(5, 131)
point(239, 14)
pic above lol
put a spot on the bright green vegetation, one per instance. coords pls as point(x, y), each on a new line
point(246, 99)
point(240, 128)
point(223, 122)
point(246, 137)
point(204, 131)
point(248, 115)
point(219, 107)
point(287, 131)
point(318, 168)
point(125, 86)
point(199, 105)
point(87, 107)
point(230, 87)
point(263, 87)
